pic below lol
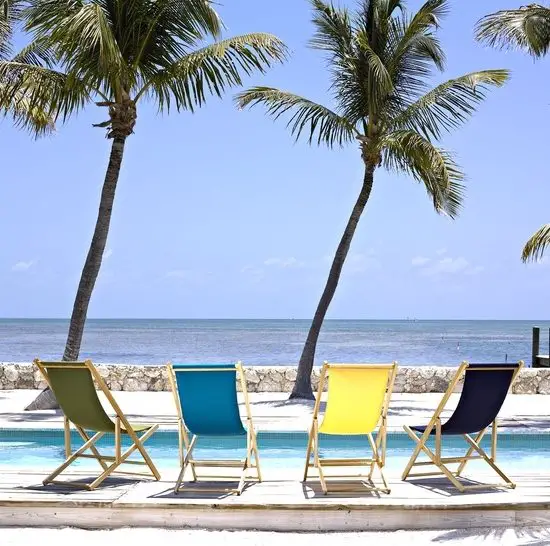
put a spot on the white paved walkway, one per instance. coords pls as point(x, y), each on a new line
point(273, 411)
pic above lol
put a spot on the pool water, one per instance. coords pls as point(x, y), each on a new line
point(43, 449)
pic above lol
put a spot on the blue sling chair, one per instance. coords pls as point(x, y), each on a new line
point(206, 399)
point(483, 393)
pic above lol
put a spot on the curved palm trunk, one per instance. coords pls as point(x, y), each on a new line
point(90, 272)
point(302, 386)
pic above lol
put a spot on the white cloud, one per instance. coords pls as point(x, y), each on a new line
point(359, 263)
point(108, 254)
point(23, 266)
point(451, 266)
point(284, 262)
point(419, 261)
point(441, 251)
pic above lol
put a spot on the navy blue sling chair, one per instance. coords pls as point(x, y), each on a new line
point(484, 390)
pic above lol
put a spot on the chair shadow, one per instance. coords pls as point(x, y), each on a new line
point(111, 482)
point(202, 490)
point(312, 489)
point(442, 486)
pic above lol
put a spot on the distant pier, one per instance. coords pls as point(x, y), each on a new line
point(539, 360)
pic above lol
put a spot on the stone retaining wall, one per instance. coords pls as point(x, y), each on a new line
point(263, 378)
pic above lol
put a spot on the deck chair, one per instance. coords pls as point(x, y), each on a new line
point(73, 386)
point(357, 403)
point(206, 400)
point(483, 393)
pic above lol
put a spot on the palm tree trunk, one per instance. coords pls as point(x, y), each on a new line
point(91, 268)
point(302, 385)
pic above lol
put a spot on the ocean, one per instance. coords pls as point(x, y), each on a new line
point(274, 342)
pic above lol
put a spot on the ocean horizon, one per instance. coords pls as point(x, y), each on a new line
point(275, 341)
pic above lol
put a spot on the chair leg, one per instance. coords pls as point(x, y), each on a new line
point(186, 462)
point(93, 449)
point(254, 440)
point(490, 462)
point(73, 458)
point(421, 446)
point(308, 452)
point(469, 452)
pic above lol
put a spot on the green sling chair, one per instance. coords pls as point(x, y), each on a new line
point(73, 386)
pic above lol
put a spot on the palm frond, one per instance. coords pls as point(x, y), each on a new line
point(526, 28)
point(10, 13)
point(450, 104)
point(56, 93)
point(410, 152)
point(321, 124)
point(212, 69)
point(333, 29)
point(26, 116)
point(36, 53)
point(536, 245)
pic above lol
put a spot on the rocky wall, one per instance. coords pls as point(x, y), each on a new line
point(419, 379)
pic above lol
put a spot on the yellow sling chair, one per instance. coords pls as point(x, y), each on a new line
point(357, 403)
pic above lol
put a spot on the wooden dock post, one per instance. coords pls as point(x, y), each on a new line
point(535, 345)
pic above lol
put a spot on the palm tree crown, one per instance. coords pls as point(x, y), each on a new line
point(118, 52)
point(381, 60)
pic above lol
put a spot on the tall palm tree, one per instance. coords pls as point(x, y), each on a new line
point(117, 53)
point(526, 29)
point(34, 119)
point(380, 62)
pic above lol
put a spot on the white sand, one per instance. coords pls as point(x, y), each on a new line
point(121, 537)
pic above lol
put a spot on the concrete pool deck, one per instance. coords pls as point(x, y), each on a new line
point(273, 411)
point(281, 502)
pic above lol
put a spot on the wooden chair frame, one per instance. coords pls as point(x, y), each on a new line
point(378, 447)
point(108, 463)
point(435, 459)
point(186, 445)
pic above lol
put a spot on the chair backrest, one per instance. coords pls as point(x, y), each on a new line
point(73, 386)
point(207, 395)
point(358, 395)
point(483, 393)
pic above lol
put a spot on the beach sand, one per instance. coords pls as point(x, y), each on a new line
point(464, 537)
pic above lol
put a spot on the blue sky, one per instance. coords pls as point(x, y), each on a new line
point(220, 214)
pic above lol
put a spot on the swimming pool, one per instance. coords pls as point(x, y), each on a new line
point(43, 449)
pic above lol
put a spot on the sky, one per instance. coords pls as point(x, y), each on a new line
point(220, 214)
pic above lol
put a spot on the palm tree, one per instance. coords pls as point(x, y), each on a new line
point(526, 29)
point(118, 53)
point(380, 61)
point(34, 119)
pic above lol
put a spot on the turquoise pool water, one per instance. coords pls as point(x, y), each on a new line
point(43, 449)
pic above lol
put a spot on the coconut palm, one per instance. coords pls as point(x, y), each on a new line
point(526, 29)
point(380, 61)
point(34, 119)
point(117, 54)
